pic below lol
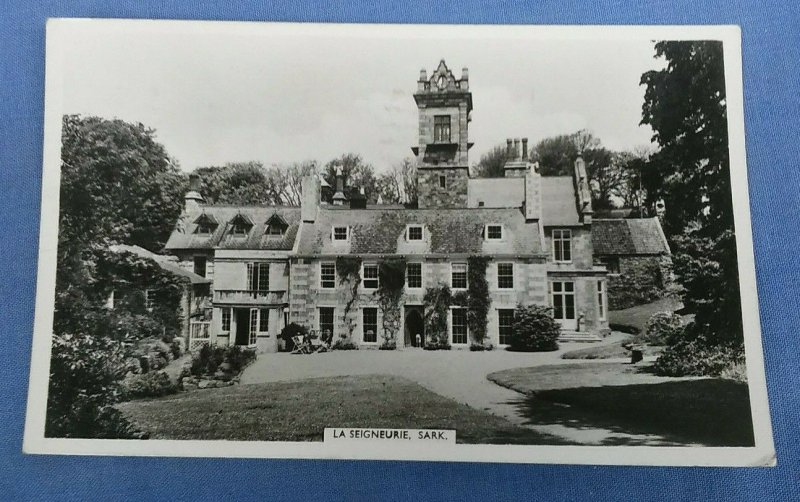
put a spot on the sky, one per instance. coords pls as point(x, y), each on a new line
point(227, 92)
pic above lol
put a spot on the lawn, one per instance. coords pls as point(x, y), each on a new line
point(611, 351)
point(639, 315)
point(301, 410)
point(626, 398)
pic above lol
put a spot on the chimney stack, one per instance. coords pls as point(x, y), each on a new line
point(508, 148)
point(193, 200)
point(524, 148)
point(516, 148)
point(309, 198)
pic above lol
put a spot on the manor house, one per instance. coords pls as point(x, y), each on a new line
point(531, 236)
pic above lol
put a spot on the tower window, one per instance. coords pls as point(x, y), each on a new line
point(441, 129)
point(442, 181)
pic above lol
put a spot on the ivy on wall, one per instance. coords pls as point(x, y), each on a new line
point(348, 270)
point(437, 302)
point(391, 281)
point(478, 301)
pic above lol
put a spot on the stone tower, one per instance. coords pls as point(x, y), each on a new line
point(444, 104)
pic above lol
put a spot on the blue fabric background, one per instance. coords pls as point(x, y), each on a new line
point(771, 46)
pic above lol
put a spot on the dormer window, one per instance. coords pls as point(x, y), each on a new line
point(206, 224)
point(340, 234)
point(276, 226)
point(494, 232)
point(414, 233)
point(240, 225)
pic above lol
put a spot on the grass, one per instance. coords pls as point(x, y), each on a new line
point(639, 315)
point(626, 398)
point(301, 410)
point(612, 351)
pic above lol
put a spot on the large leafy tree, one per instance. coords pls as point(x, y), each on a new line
point(356, 174)
point(491, 164)
point(117, 184)
point(686, 107)
point(399, 184)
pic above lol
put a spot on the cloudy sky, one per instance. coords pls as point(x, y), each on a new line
point(218, 93)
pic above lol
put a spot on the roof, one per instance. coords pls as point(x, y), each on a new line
point(558, 197)
point(184, 236)
point(446, 231)
point(165, 262)
point(628, 237)
point(559, 206)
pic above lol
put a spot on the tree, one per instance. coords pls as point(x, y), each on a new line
point(399, 184)
point(356, 174)
point(117, 184)
point(291, 179)
point(686, 107)
point(492, 163)
point(245, 183)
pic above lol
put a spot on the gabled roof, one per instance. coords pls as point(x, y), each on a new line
point(184, 236)
point(165, 262)
point(559, 206)
point(447, 231)
point(276, 219)
point(641, 236)
point(206, 217)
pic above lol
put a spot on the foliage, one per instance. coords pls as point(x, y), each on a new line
point(492, 163)
point(211, 360)
point(479, 301)
point(624, 328)
point(534, 329)
point(391, 281)
point(663, 328)
point(117, 184)
point(399, 184)
point(480, 347)
point(736, 372)
point(344, 344)
point(151, 354)
point(685, 104)
point(84, 385)
point(437, 302)
point(348, 269)
point(247, 183)
point(698, 357)
point(153, 384)
point(356, 174)
point(291, 330)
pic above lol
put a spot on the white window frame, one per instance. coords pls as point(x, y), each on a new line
point(466, 273)
point(421, 276)
point(450, 326)
point(321, 280)
point(346, 233)
point(363, 327)
point(319, 320)
point(497, 310)
point(494, 239)
point(254, 274)
point(223, 311)
point(253, 327)
point(602, 300)
point(561, 239)
point(513, 276)
point(377, 277)
point(421, 230)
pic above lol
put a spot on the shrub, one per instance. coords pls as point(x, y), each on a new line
point(698, 358)
point(84, 385)
point(239, 358)
point(344, 344)
point(663, 328)
point(290, 330)
point(479, 347)
point(154, 384)
point(206, 361)
point(388, 344)
point(176, 347)
point(229, 360)
point(625, 328)
point(534, 329)
point(737, 372)
point(437, 344)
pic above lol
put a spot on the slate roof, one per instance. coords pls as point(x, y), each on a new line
point(642, 236)
point(184, 236)
point(446, 231)
point(558, 197)
point(163, 261)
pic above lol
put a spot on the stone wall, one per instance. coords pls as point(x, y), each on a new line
point(432, 195)
point(641, 279)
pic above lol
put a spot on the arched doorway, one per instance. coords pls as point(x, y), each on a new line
point(414, 325)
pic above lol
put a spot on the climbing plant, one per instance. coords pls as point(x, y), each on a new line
point(437, 302)
point(348, 270)
point(391, 279)
point(478, 301)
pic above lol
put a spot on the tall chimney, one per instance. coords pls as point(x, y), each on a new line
point(193, 200)
point(524, 148)
point(508, 148)
point(516, 148)
point(309, 198)
point(339, 197)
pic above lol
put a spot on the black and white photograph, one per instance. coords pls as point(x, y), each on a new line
point(503, 244)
